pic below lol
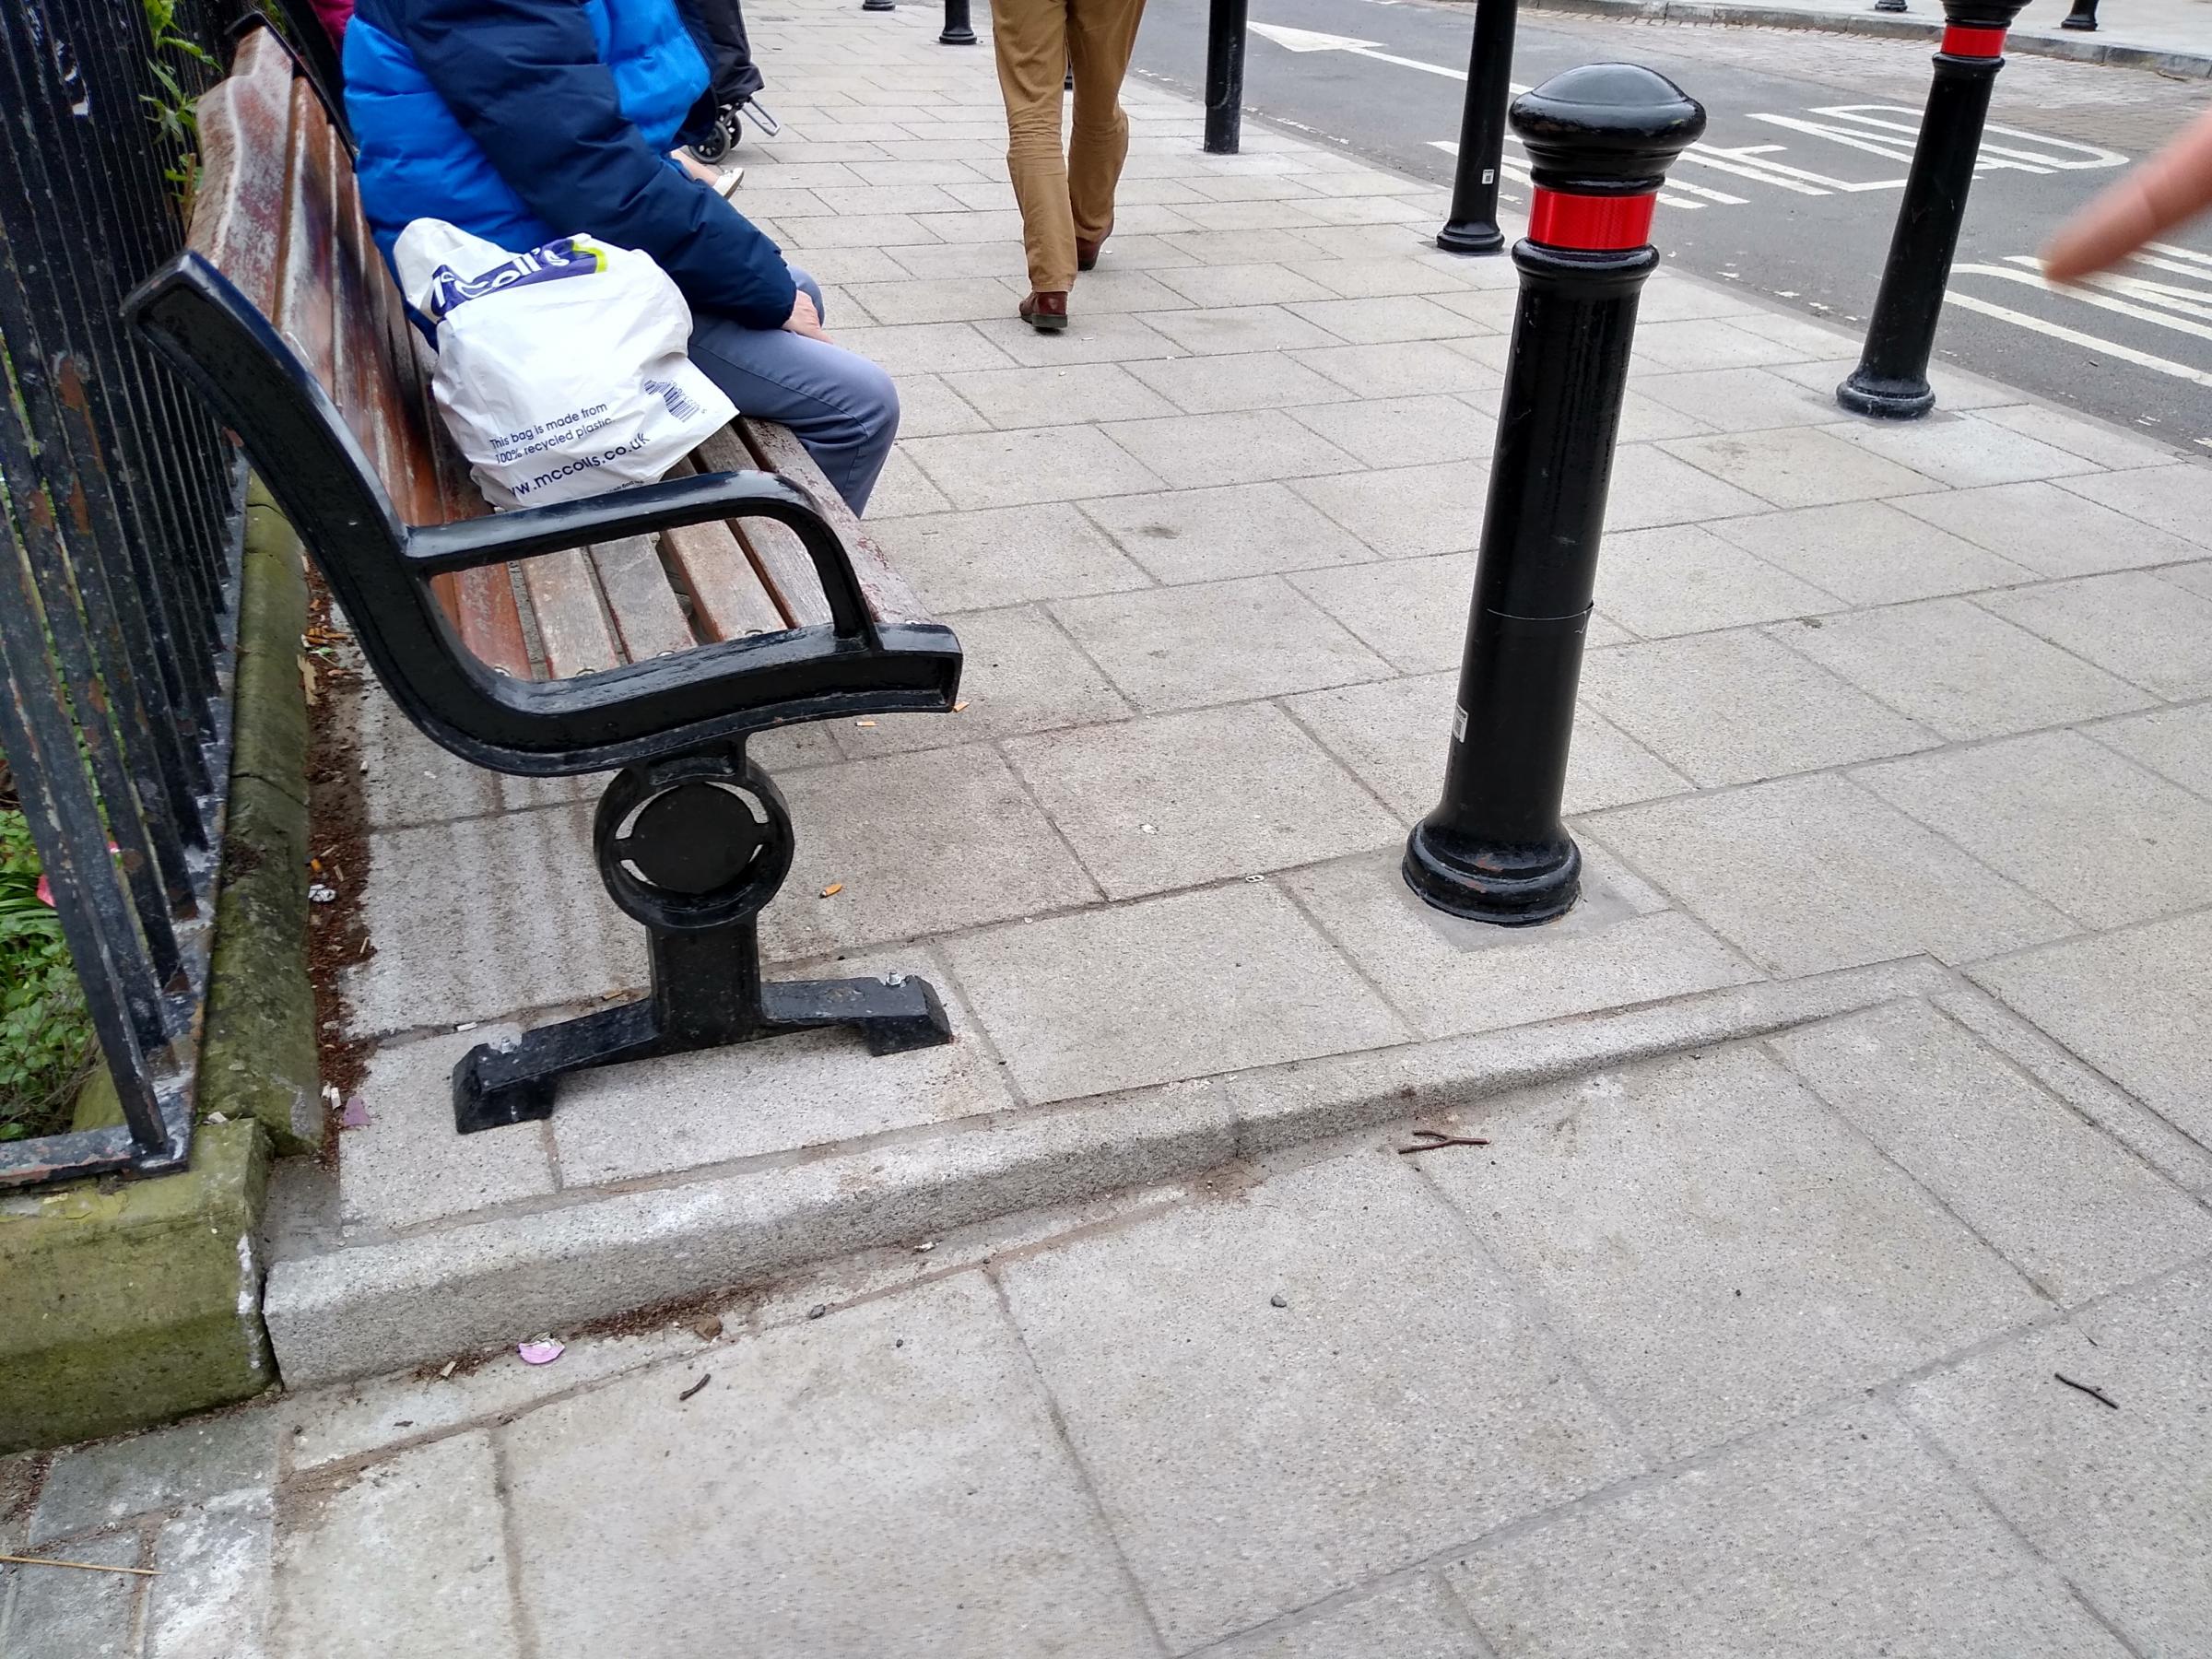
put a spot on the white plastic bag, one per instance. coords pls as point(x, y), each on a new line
point(560, 371)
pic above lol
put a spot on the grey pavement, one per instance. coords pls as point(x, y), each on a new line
point(1920, 702)
point(1864, 1096)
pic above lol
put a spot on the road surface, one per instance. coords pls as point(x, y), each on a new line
point(1796, 186)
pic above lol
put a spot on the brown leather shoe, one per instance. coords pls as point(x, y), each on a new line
point(1046, 313)
point(1086, 253)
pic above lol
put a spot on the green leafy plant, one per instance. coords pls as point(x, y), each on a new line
point(176, 111)
point(45, 1036)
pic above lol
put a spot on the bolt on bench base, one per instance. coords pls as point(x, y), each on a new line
point(707, 993)
point(693, 847)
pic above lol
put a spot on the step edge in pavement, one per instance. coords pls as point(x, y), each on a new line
point(366, 1308)
point(2118, 55)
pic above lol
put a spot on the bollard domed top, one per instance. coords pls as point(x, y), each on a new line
point(1608, 129)
point(1982, 14)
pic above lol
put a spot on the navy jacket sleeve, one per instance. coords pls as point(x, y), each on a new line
point(525, 79)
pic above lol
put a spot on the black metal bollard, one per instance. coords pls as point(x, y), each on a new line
point(878, 5)
point(1473, 225)
point(1600, 139)
point(1891, 380)
point(957, 31)
point(1224, 75)
point(2083, 17)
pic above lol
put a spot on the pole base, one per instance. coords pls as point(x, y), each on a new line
point(878, 5)
point(2086, 25)
point(1516, 887)
point(964, 37)
point(1471, 236)
point(1884, 397)
point(1889, 5)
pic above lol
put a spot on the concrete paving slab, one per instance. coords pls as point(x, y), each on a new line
point(1401, 432)
point(1732, 400)
point(916, 844)
point(96, 1487)
point(1984, 1139)
point(406, 779)
point(212, 1599)
point(1963, 450)
point(1374, 321)
point(1243, 447)
point(1961, 671)
point(1184, 647)
point(1616, 948)
point(2107, 445)
point(2153, 633)
point(2050, 531)
point(1721, 1251)
point(692, 1112)
point(963, 561)
point(1841, 1534)
point(1651, 487)
point(2073, 823)
point(405, 1556)
point(1180, 799)
point(407, 1165)
point(1078, 394)
point(83, 1615)
point(1684, 578)
point(1223, 285)
point(1260, 379)
point(1407, 513)
point(2176, 499)
point(1411, 612)
point(1211, 535)
point(1679, 698)
point(929, 408)
point(1405, 368)
point(1808, 874)
point(2176, 743)
point(1414, 1617)
point(1711, 343)
point(769, 1504)
point(1038, 464)
point(1798, 466)
point(1247, 328)
point(1019, 673)
point(2133, 1004)
point(1869, 552)
point(2113, 1497)
point(1302, 1472)
point(1186, 986)
point(459, 938)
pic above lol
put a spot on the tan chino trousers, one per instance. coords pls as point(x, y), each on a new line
point(1063, 198)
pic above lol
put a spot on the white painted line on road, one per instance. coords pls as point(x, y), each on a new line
point(1518, 172)
point(2057, 331)
point(2190, 254)
point(1747, 161)
point(2036, 279)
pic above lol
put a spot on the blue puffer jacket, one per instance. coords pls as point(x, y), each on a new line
point(524, 120)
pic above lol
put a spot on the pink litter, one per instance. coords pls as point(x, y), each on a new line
point(543, 1350)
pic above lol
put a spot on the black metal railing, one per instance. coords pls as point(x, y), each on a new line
point(123, 507)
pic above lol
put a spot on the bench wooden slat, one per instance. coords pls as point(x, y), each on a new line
point(305, 281)
point(777, 552)
point(728, 599)
point(887, 593)
point(571, 623)
point(647, 615)
point(238, 211)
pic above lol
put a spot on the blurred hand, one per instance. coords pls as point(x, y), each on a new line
point(2153, 198)
point(805, 319)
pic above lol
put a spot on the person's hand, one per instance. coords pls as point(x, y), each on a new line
point(805, 319)
point(2151, 200)
point(696, 168)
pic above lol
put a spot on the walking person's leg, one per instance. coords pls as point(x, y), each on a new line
point(1031, 39)
point(840, 406)
point(1101, 34)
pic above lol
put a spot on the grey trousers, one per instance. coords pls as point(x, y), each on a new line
point(840, 406)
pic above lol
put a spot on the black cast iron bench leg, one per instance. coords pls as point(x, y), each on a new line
point(693, 848)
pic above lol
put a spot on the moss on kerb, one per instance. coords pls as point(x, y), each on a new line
point(126, 1303)
point(258, 1059)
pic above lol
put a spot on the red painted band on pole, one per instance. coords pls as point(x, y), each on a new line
point(1960, 40)
point(1590, 224)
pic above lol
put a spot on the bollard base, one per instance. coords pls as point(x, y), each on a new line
point(1515, 886)
point(1884, 397)
point(964, 37)
point(878, 5)
point(1471, 236)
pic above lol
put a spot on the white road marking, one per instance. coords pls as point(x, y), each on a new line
point(1518, 172)
point(2057, 331)
point(2036, 279)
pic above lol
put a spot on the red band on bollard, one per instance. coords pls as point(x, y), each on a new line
point(1592, 224)
point(1960, 40)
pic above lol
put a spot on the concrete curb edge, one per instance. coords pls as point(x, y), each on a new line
point(352, 1312)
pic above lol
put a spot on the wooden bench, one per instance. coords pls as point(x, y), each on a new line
point(648, 631)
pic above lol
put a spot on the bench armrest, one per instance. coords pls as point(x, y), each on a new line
point(640, 509)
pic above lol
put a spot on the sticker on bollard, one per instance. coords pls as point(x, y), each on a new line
point(1891, 381)
point(1599, 141)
